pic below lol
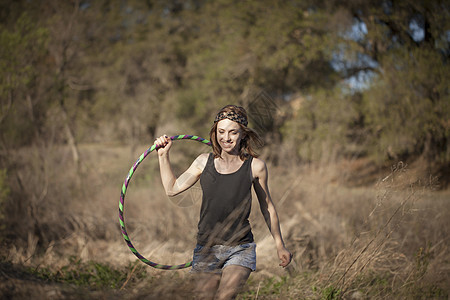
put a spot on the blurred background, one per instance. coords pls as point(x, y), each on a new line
point(351, 98)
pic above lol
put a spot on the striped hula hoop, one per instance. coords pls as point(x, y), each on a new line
point(122, 204)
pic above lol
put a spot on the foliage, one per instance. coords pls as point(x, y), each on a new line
point(91, 274)
point(395, 105)
point(330, 293)
point(364, 79)
point(407, 109)
point(374, 285)
point(22, 48)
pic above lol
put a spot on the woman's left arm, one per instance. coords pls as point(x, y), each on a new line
point(260, 175)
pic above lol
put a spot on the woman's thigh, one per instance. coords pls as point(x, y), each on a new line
point(206, 285)
point(232, 280)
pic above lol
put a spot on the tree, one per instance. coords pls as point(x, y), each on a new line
point(406, 106)
point(22, 47)
point(395, 55)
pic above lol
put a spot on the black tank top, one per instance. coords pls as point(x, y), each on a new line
point(226, 205)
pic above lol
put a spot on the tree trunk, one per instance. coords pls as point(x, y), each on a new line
point(70, 138)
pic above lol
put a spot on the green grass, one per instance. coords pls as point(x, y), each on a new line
point(370, 285)
point(108, 280)
point(90, 274)
point(271, 286)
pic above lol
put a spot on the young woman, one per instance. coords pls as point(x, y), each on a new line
point(225, 253)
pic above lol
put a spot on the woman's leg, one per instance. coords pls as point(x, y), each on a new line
point(233, 279)
point(206, 285)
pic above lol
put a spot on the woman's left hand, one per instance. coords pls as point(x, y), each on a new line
point(285, 256)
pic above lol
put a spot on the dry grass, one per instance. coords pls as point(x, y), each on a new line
point(386, 239)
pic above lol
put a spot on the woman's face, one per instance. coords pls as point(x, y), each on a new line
point(229, 135)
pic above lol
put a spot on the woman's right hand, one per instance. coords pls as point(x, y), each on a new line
point(164, 142)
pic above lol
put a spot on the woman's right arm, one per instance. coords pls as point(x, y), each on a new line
point(172, 185)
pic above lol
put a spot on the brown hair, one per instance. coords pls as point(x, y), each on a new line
point(250, 139)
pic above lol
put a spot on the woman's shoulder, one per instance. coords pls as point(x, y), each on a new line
point(258, 165)
point(201, 160)
point(203, 156)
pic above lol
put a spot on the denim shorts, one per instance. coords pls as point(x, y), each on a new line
point(214, 259)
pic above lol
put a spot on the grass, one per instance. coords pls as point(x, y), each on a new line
point(380, 241)
point(90, 274)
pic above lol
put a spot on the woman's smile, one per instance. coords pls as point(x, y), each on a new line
point(228, 134)
point(227, 143)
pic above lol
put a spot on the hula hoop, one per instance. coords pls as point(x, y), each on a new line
point(122, 204)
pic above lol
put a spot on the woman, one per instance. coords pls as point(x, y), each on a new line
point(225, 253)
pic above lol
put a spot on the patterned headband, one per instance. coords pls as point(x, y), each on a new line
point(236, 117)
